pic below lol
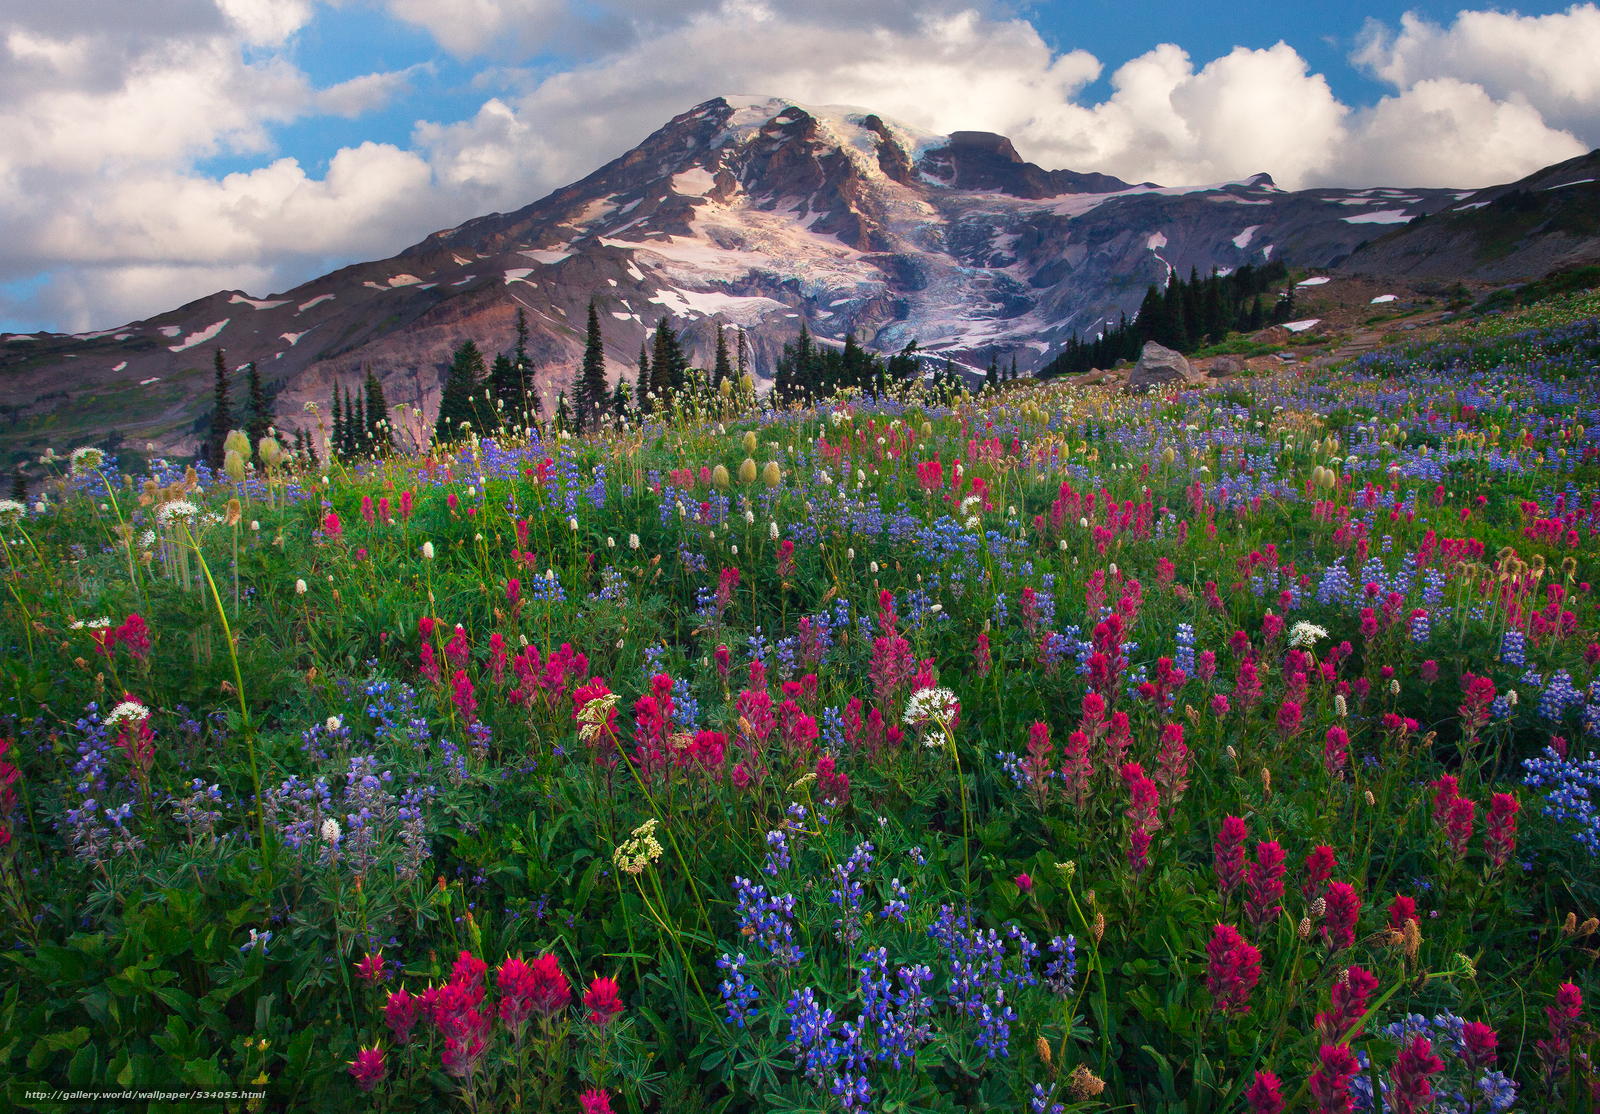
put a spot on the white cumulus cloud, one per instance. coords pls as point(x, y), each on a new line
point(104, 127)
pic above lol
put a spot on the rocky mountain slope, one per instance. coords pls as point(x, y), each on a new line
point(744, 211)
point(1544, 222)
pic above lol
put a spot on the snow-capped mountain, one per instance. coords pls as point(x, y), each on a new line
point(746, 211)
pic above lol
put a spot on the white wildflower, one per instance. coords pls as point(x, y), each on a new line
point(772, 531)
point(333, 723)
point(128, 710)
point(299, 587)
point(11, 511)
point(331, 833)
point(99, 624)
point(1304, 634)
point(178, 508)
point(934, 705)
point(633, 541)
point(427, 551)
point(87, 458)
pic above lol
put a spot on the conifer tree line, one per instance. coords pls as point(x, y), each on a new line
point(255, 419)
point(360, 420)
point(1185, 316)
point(807, 371)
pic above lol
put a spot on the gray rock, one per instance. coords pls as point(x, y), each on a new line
point(1157, 366)
point(1224, 366)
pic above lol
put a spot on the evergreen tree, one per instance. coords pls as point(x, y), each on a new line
point(991, 377)
point(19, 484)
point(668, 367)
point(527, 385)
point(722, 369)
point(620, 397)
point(1013, 377)
point(354, 425)
point(744, 356)
point(458, 410)
point(1284, 310)
point(311, 450)
point(260, 414)
point(642, 379)
point(505, 385)
point(903, 367)
point(592, 375)
point(299, 443)
point(336, 435)
point(221, 413)
point(377, 415)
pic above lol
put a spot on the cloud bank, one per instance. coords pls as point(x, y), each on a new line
point(105, 122)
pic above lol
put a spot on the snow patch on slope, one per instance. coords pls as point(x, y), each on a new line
point(1383, 216)
point(240, 299)
point(694, 182)
point(741, 310)
point(1242, 240)
point(199, 338)
point(318, 300)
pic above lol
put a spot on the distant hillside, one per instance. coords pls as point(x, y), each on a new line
point(1547, 221)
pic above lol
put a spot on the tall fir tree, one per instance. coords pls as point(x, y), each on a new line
point(377, 415)
point(528, 386)
point(620, 396)
point(642, 379)
point(311, 450)
point(744, 357)
point(505, 390)
point(336, 435)
point(221, 412)
point(354, 442)
point(722, 369)
point(592, 375)
point(991, 376)
point(668, 367)
point(260, 413)
point(458, 403)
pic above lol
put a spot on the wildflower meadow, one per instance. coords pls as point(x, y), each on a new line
point(1222, 749)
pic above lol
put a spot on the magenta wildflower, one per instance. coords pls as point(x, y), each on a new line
point(1264, 885)
point(1410, 1091)
point(1500, 829)
point(1235, 967)
point(1265, 1095)
point(1343, 908)
point(1229, 855)
point(368, 1068)
point(1330, 1083)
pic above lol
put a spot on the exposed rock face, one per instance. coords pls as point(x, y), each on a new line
point(744, 211)
point(1526, 229)
point(1224, 366)
point(1158, 366)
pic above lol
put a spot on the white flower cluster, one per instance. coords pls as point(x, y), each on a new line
point(1305, 634)
point(128, 710)
point(177, 508)
point(933, 705)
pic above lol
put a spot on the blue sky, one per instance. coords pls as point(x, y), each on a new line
point(187, 146)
